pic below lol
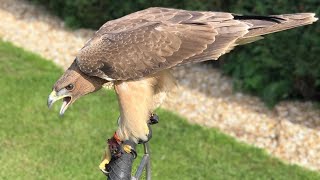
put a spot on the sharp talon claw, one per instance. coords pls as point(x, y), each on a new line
point(127, 148)
point(154, 119)
point(104, 171)
point(103, 166)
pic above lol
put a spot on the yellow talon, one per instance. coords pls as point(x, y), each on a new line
point(106, 159)
point(103, 164)
point(127, 148)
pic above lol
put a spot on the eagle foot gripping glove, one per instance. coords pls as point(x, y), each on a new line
point(119, 156)
point(118, 160)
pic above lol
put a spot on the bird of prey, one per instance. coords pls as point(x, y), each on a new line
point(135, 53)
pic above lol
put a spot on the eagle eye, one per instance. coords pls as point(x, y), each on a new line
point(69, 87)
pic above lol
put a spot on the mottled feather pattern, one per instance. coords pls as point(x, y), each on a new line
point(148, 41)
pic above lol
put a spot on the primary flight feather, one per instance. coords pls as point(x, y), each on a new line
point(136, 51)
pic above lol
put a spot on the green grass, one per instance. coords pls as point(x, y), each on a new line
point(36, 143)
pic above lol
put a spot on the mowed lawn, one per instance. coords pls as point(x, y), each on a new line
point(36, 143)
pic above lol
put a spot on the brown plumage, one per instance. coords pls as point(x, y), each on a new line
point(135, 52)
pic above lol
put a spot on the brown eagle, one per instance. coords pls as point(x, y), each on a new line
point(136, 51)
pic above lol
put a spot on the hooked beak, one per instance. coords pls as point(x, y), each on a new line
point(53, 97)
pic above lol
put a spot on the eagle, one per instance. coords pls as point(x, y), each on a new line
point(136, 52)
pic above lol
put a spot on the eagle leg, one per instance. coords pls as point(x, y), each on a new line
point(137, 99)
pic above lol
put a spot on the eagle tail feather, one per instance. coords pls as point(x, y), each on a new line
point(262, 25)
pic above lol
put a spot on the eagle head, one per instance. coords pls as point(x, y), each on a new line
point(72, 85)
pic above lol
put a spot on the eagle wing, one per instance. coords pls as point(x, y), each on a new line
point(148, 41)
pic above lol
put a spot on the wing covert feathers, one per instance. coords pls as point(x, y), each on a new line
point(148, 41)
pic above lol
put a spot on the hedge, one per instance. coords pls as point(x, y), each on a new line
point(284, 65)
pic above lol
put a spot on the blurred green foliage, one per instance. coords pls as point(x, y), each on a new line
point(284, 65)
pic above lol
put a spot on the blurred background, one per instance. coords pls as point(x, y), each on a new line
point(266, 94)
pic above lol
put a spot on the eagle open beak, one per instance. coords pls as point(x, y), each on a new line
point(53, 97)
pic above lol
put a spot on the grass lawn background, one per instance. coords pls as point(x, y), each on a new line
point(35, 143)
